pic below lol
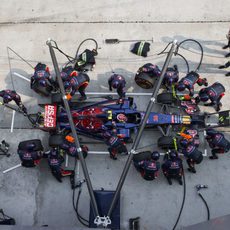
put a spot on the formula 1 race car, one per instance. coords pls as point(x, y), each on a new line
point(95, 119)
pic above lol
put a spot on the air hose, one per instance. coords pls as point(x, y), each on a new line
point(198, 187)
point(87, 39)
point(81, 219)
point(74, 59)
point(183, 201)
point(177, 53)
point(201, 49)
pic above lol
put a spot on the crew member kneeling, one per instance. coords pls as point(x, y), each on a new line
point(172, 167)
point(149, 168)
point(217, 142)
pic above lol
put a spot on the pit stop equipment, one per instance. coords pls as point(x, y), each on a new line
point(106, 220)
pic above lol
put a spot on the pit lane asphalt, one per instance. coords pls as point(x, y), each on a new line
point(33, 197)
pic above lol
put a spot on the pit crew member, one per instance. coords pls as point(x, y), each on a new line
point(172, 167)
point(29, 157)
point(77, 82)
point(11, 95)
point(117, 82)
point(149, 168)
point(189, 81)
point(214, 93)
point(217, 142)
point(55, 161)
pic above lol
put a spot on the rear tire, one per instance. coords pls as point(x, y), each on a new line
point(56, 98)
point(166, 142)
point(144, 80)
point(142, 156)
point(165, 98)
point(56, 140)
point(45, 91)
point(24, 144)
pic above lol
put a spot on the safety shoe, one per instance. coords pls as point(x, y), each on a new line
point(213, 157)
point(197, 100)
point(169, 181)
point(221, 67)
point(227, 55)
point(227, 74)
point(192, 170)
point(180, 181)
point(114, 157)
point(225, 47)
point(82, 98)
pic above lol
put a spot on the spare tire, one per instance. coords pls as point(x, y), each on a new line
point(56, 98)
point(24, 144)
point(166, 142)
point(144, 80)
point(142, 156)
point(56, 140)
point(165, 98)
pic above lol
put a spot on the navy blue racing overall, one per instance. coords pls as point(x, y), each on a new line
point(29, 157)
point(11, 95)
point(78, 82)
point(149, 169)
point(193, 155)
point(118, 82)
point(214, 93)
point(151, 69)
point(171, 76)
point(189, 81)
point(55, 161)
point(217, 142)
point(115, 144)
point(172, 168)
point(41, 75)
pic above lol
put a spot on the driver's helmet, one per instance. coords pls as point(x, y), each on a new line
point(173, 154)
point(67, 84)
point(155, 155)
point(121, 117)
point(30, 146)
point(42, 82)
point(184, 142)
point(211, 132)
point(7, 98)
point(181, 86)
point(115, 84)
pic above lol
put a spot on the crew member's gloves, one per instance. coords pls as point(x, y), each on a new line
point(69, 138)
point(68, 97)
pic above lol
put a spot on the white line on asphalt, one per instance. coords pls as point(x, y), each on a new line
point(78, 171)
point(162, 154)
point(12, 122)
point(19, 75)
point(111, 93)
point(66, 160)
point(12, 168)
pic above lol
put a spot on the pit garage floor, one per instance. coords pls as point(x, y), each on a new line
point(32, 196)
